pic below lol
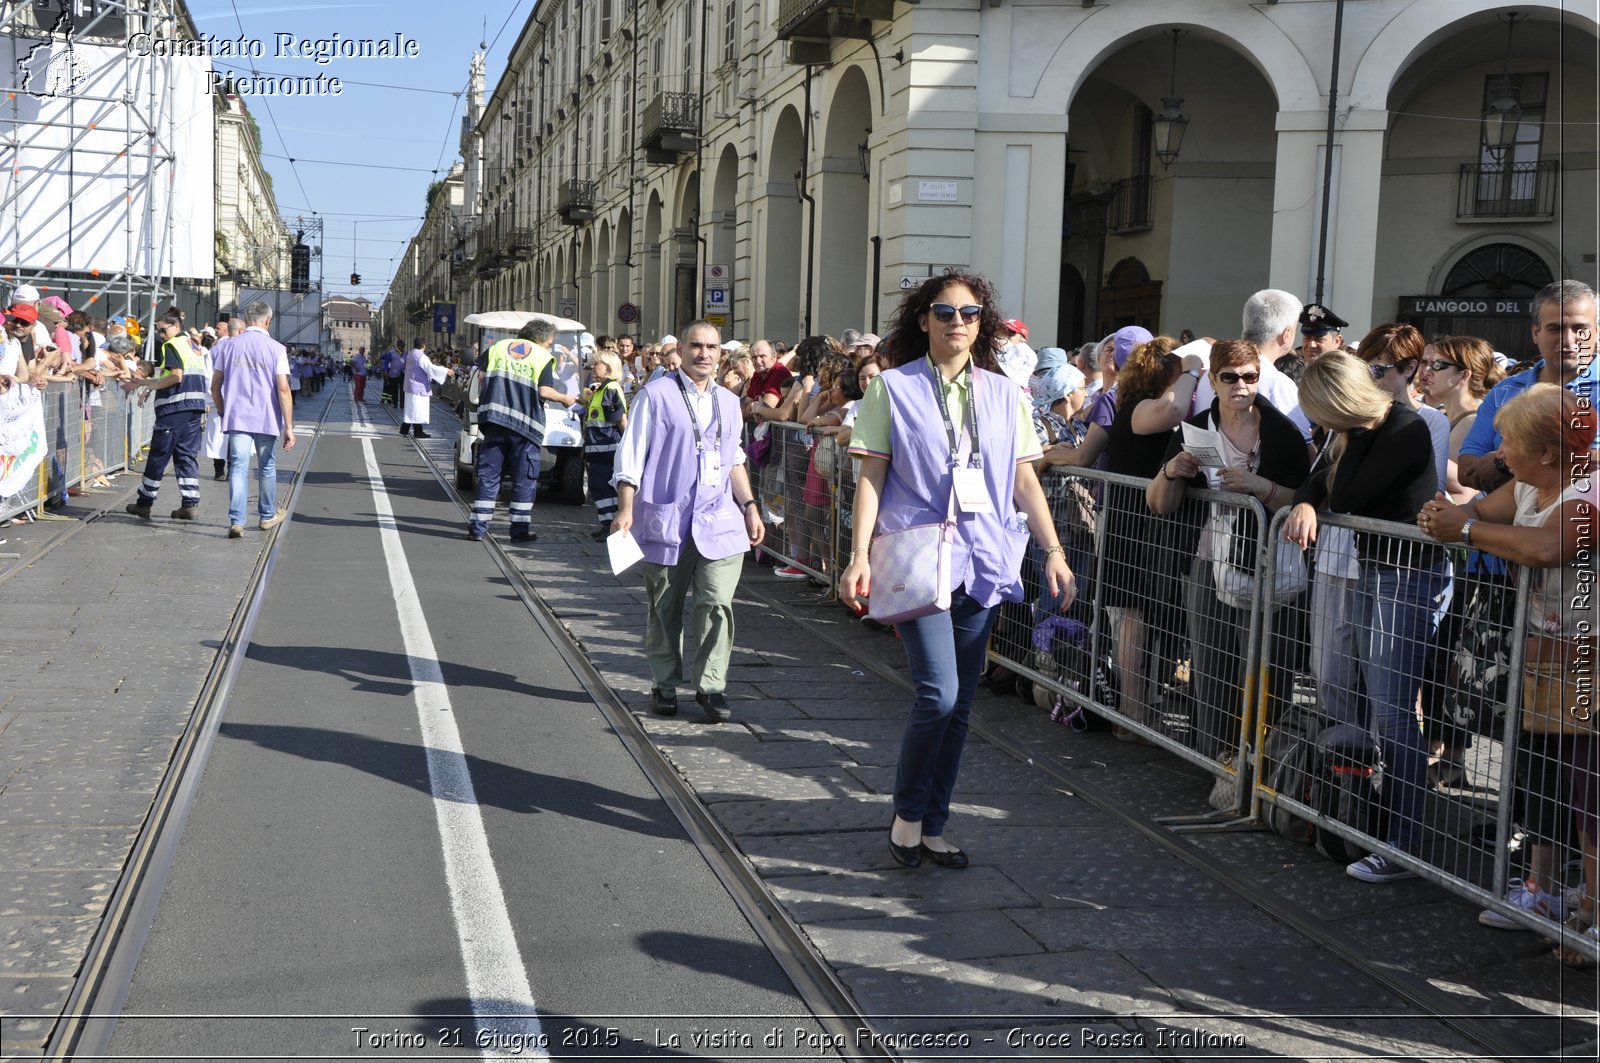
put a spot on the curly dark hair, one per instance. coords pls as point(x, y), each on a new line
point(809, 353)
point(907, 341)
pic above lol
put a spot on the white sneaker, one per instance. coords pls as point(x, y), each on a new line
point(790, 572)
point(1529, 898)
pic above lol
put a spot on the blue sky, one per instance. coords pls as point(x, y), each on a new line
point(369, 212)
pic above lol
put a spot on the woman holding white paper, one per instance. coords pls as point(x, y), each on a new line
point(1264, 457)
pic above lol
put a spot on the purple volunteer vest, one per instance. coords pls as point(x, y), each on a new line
point(986, 554)
point(418, 382)
point(672, 505)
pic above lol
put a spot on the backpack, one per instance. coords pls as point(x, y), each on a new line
point(1290, 767)
point(1348, 788)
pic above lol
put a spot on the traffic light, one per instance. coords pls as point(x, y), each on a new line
point(355, 279)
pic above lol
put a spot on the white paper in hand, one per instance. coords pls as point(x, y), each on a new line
point(624, 551)
point(1204, 444)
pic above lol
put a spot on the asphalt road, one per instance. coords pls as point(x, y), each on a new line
point(323, 902)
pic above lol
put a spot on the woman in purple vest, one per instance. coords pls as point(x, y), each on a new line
point(945, 421)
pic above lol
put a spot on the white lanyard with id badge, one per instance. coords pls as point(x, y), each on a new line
point(710, 457)
point(969, 489)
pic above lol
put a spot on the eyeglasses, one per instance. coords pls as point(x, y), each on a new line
point(1439, 365)
point(944, 312)
point(1381, 369)
point(1228, 376)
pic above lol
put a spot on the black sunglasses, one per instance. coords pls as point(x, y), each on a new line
point(1381, 369)
point(1228, 376)
point(1439, 365)
point(944, 312)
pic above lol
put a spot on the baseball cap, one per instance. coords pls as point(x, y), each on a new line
point(1125, 339)
point(732, 345)
point(850, 338)
point(869, 339)
point(669, 341)
point(1016, 325)
point(1017, 361)
point(23, 312)
point(25, 293)
point(1050, 358)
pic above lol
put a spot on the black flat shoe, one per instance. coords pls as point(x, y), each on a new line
point(714, 707)
point(662, 703)
point(906, 855)
point(955, 858)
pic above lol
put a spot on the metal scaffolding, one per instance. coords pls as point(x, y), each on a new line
point(126, 138)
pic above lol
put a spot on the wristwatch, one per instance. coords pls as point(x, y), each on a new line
point(1466, 530)
point(1197, 374)
point(747, 503)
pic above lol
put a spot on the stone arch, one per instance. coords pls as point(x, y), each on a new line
point(621, 268)
point(782, 249)
point(1421, 26)
point(844, 210)
point(1451, 261)
point(1258, 40)
point(685, 275)
point(652, 307)
point(605, 310)
point(843, 88)
point(586, 307)
point(723, 225)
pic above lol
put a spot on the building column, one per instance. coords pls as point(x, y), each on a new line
point(1349, 275)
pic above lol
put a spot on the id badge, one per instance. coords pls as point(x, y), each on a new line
point(710, 468)
point(972, 494)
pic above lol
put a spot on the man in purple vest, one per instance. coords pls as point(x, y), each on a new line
point(681, 485)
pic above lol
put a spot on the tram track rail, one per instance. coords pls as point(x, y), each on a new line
point(823, 994)
point(90, 1014)
point(1432, 1002)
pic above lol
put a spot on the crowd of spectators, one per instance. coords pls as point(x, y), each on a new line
point(1382, 628)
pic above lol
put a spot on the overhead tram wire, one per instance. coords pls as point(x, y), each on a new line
point(273, 119)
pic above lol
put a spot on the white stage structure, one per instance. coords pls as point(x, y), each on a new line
point(106, 156)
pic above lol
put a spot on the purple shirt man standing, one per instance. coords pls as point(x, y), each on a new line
point(250, 386)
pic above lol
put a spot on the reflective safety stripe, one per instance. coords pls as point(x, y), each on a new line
point(521, 507)
point(604, 448)
point(154, 485)
point(498, 413)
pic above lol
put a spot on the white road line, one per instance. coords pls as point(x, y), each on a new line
point(497, 981)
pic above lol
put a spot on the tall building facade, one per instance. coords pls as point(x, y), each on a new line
point(789, 166)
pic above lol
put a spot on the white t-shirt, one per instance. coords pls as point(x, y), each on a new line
point(10, 357)
point(1561, 600)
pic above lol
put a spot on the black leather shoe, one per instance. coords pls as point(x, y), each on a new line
point(662, 703)
point(713, 706)
point(955, 858)
point(904, 855)
point(531, 537)
point(420, 434)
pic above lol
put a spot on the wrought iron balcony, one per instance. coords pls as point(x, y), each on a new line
point(811, 26)
point(486, 264)
point(1501, 190)
point(671, 126)
point(576, 201)
point(1129, 209)
point(520, 244)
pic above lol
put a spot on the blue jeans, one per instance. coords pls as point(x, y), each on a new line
point(946, 653)
point(1394, 619)
point(239, 446)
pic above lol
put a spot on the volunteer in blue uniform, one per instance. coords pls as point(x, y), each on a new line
point(180, 388)
point(516, 378)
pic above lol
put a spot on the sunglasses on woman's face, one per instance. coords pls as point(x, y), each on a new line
point(944, 312)
point(1229, 377)
point(1381, 369)
point(1439, 365)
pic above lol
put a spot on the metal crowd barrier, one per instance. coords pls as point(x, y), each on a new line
point(89, 433)
point(798, 503)
point(1264, 685)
